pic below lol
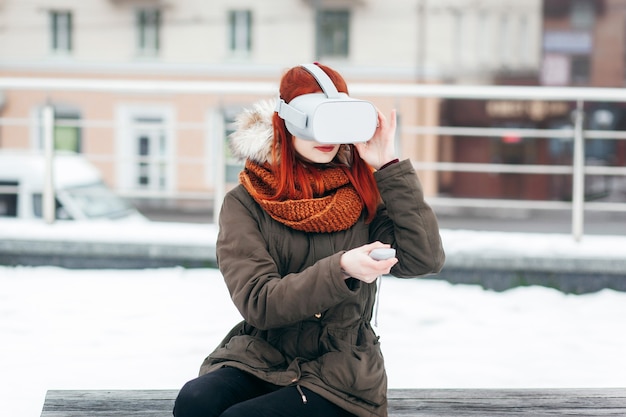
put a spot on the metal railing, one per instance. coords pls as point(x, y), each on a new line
point(579, 95)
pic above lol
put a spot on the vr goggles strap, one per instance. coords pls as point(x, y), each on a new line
point(323, 80)
point(290, 114)
point(295, 116)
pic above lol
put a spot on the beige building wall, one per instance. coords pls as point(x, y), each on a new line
point(396, 41)
point(399, 35)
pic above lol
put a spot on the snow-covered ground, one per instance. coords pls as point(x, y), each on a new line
point(107, 329)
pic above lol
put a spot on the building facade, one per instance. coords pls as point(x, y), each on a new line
point(169, 144)
point(583, 44)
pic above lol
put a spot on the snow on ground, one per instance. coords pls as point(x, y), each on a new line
point(142, 329)
point(542, 245)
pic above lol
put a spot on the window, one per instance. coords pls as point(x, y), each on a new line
point(504, 46)
point(67, 130)
point(582, 14)
point(233, 165)
point(151, 154)
point(523, 49)
point(59, 211)
point(483, 40)
point(8, 198)
point(61, 31)
point(333, 30)
point(458, 46)
point(580, 70)
point(148, 31)
point(240, 31)
point(145, 142)
point(93, 201)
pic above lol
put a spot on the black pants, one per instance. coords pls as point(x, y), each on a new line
point(229, 392)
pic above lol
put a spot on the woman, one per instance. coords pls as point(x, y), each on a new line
point(293, 247)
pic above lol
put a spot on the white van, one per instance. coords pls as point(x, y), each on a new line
point(79, 190)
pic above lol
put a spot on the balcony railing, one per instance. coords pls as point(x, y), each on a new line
point(578, 170)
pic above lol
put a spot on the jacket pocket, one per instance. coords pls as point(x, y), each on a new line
point(358, 370)
point(249, 350)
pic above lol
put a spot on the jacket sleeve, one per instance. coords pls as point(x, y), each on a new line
point(264, 298)
point(407, 222)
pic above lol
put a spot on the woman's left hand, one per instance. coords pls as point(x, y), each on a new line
point(380, 149)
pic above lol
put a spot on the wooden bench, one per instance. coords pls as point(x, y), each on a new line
point(402, 402)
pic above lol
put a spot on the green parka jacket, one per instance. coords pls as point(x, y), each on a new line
point(303, 322)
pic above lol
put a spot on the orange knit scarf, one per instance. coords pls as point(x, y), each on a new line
point(337, 208)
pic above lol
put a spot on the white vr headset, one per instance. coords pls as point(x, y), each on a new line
point(328, 117)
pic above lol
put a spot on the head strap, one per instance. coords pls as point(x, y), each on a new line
point(295, 116)
point(323, 80)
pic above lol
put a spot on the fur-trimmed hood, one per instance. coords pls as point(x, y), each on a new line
point(253, 135)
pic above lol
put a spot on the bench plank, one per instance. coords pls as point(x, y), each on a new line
point(402, 402)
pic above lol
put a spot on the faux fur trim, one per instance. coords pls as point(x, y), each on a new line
point(253, 135)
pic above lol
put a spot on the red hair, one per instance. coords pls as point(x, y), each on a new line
point(291, 172)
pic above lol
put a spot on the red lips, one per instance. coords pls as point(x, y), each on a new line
point(325, 148)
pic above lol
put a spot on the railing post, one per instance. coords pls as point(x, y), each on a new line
point(578, 175)
point(48, 197)
point(217, 132)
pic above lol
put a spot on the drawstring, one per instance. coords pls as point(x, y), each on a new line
point(304, 400)
point(379, 283)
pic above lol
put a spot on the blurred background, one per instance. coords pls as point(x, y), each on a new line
point(145, 91)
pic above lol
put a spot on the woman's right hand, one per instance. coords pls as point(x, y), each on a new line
point(356, 263)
